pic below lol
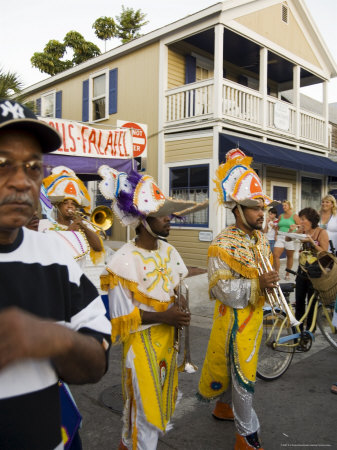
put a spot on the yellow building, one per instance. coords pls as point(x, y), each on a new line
point(209, 82)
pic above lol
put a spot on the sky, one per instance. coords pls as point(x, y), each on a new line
point(26, 26)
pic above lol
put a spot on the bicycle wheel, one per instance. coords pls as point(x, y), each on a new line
point(274, 360)
point(324, 321)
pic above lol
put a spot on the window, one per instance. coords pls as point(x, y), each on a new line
point(191, 183)
point(311, 193)
point(48, 105)
point(99, 97)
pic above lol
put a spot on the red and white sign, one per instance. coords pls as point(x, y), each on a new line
point(139, 135)
point(80, 139)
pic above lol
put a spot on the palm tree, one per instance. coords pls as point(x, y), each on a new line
point(10, 84)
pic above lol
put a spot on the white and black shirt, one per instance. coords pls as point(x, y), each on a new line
point(39, 275)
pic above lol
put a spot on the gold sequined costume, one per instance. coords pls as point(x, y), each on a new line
point(230, 364)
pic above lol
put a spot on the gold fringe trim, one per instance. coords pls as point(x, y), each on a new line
point(97, 257)
point(255, 292)
point(111, 280)
point(247, 272)
point(122, 326)
point(222, 274)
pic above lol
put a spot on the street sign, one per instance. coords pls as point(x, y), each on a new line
point(139, 134)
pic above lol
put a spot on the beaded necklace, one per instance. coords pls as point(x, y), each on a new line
point(78, 254)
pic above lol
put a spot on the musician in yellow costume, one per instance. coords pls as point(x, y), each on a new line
point(141, 281)
point(229, 369)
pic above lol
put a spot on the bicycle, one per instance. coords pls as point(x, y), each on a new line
point(280, 340)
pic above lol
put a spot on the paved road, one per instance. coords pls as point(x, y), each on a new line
point(297, 410)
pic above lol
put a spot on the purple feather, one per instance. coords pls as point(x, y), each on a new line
point(125, 199)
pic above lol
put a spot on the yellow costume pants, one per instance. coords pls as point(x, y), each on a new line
point(150, 380)
point(234, 343)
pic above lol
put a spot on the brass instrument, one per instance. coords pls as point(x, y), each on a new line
point(101, 218)
point(275, 295)
point(186, 365)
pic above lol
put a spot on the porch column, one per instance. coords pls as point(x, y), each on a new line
point(326, 112)
point(218, 71)
point(263, 86)
point(297, 104)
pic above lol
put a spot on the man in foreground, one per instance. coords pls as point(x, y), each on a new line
point(52, 322)
point(229, 370)
point(141, 280)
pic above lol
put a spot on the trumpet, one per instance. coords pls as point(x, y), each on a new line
point(186, 365)
point(275, 295)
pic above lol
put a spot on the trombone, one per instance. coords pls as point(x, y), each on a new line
point(275, 295)
point(186, 365)
point(101, 218)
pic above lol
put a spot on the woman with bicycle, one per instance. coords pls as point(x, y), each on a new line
point(317, 240)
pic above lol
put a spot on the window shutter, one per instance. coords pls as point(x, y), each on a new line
point(113, 84)
point(58, 105)
point(85, 101)
point(38, 106)
point(190, 69)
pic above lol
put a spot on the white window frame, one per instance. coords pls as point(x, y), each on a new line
point(43, 97)
point(204, 63)
point(194, 162)
point(323, 179)
point(92, 98)
point(287, 185)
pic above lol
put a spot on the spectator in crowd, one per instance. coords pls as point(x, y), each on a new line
point(286, 219)
point(317, 240)
point(328, 221)
point(52, 320)
point(271, 227)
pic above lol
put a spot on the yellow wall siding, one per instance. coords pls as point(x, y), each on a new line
point(118, 231)
point(187, 149)
point(193, 252)
point(276, 174)
point(268, 23)
point(176, 69)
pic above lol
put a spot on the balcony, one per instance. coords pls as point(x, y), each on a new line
point(244, 107)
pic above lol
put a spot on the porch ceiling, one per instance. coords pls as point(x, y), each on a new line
point(278, 156)
point(245, 54)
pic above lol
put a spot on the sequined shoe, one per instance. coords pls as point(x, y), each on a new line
point(247, 442)
point(222, 411)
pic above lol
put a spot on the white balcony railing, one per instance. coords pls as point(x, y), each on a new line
point(313, 127)
point(241, 103)
point(246, 107)
point(189, 101)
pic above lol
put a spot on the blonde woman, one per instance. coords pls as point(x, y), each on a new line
point(328, 213)
point(328, 221)
point(287, 220)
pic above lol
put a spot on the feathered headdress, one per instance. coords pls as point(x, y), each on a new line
point(135, 197)
point(237, 183)
point(63, 183)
